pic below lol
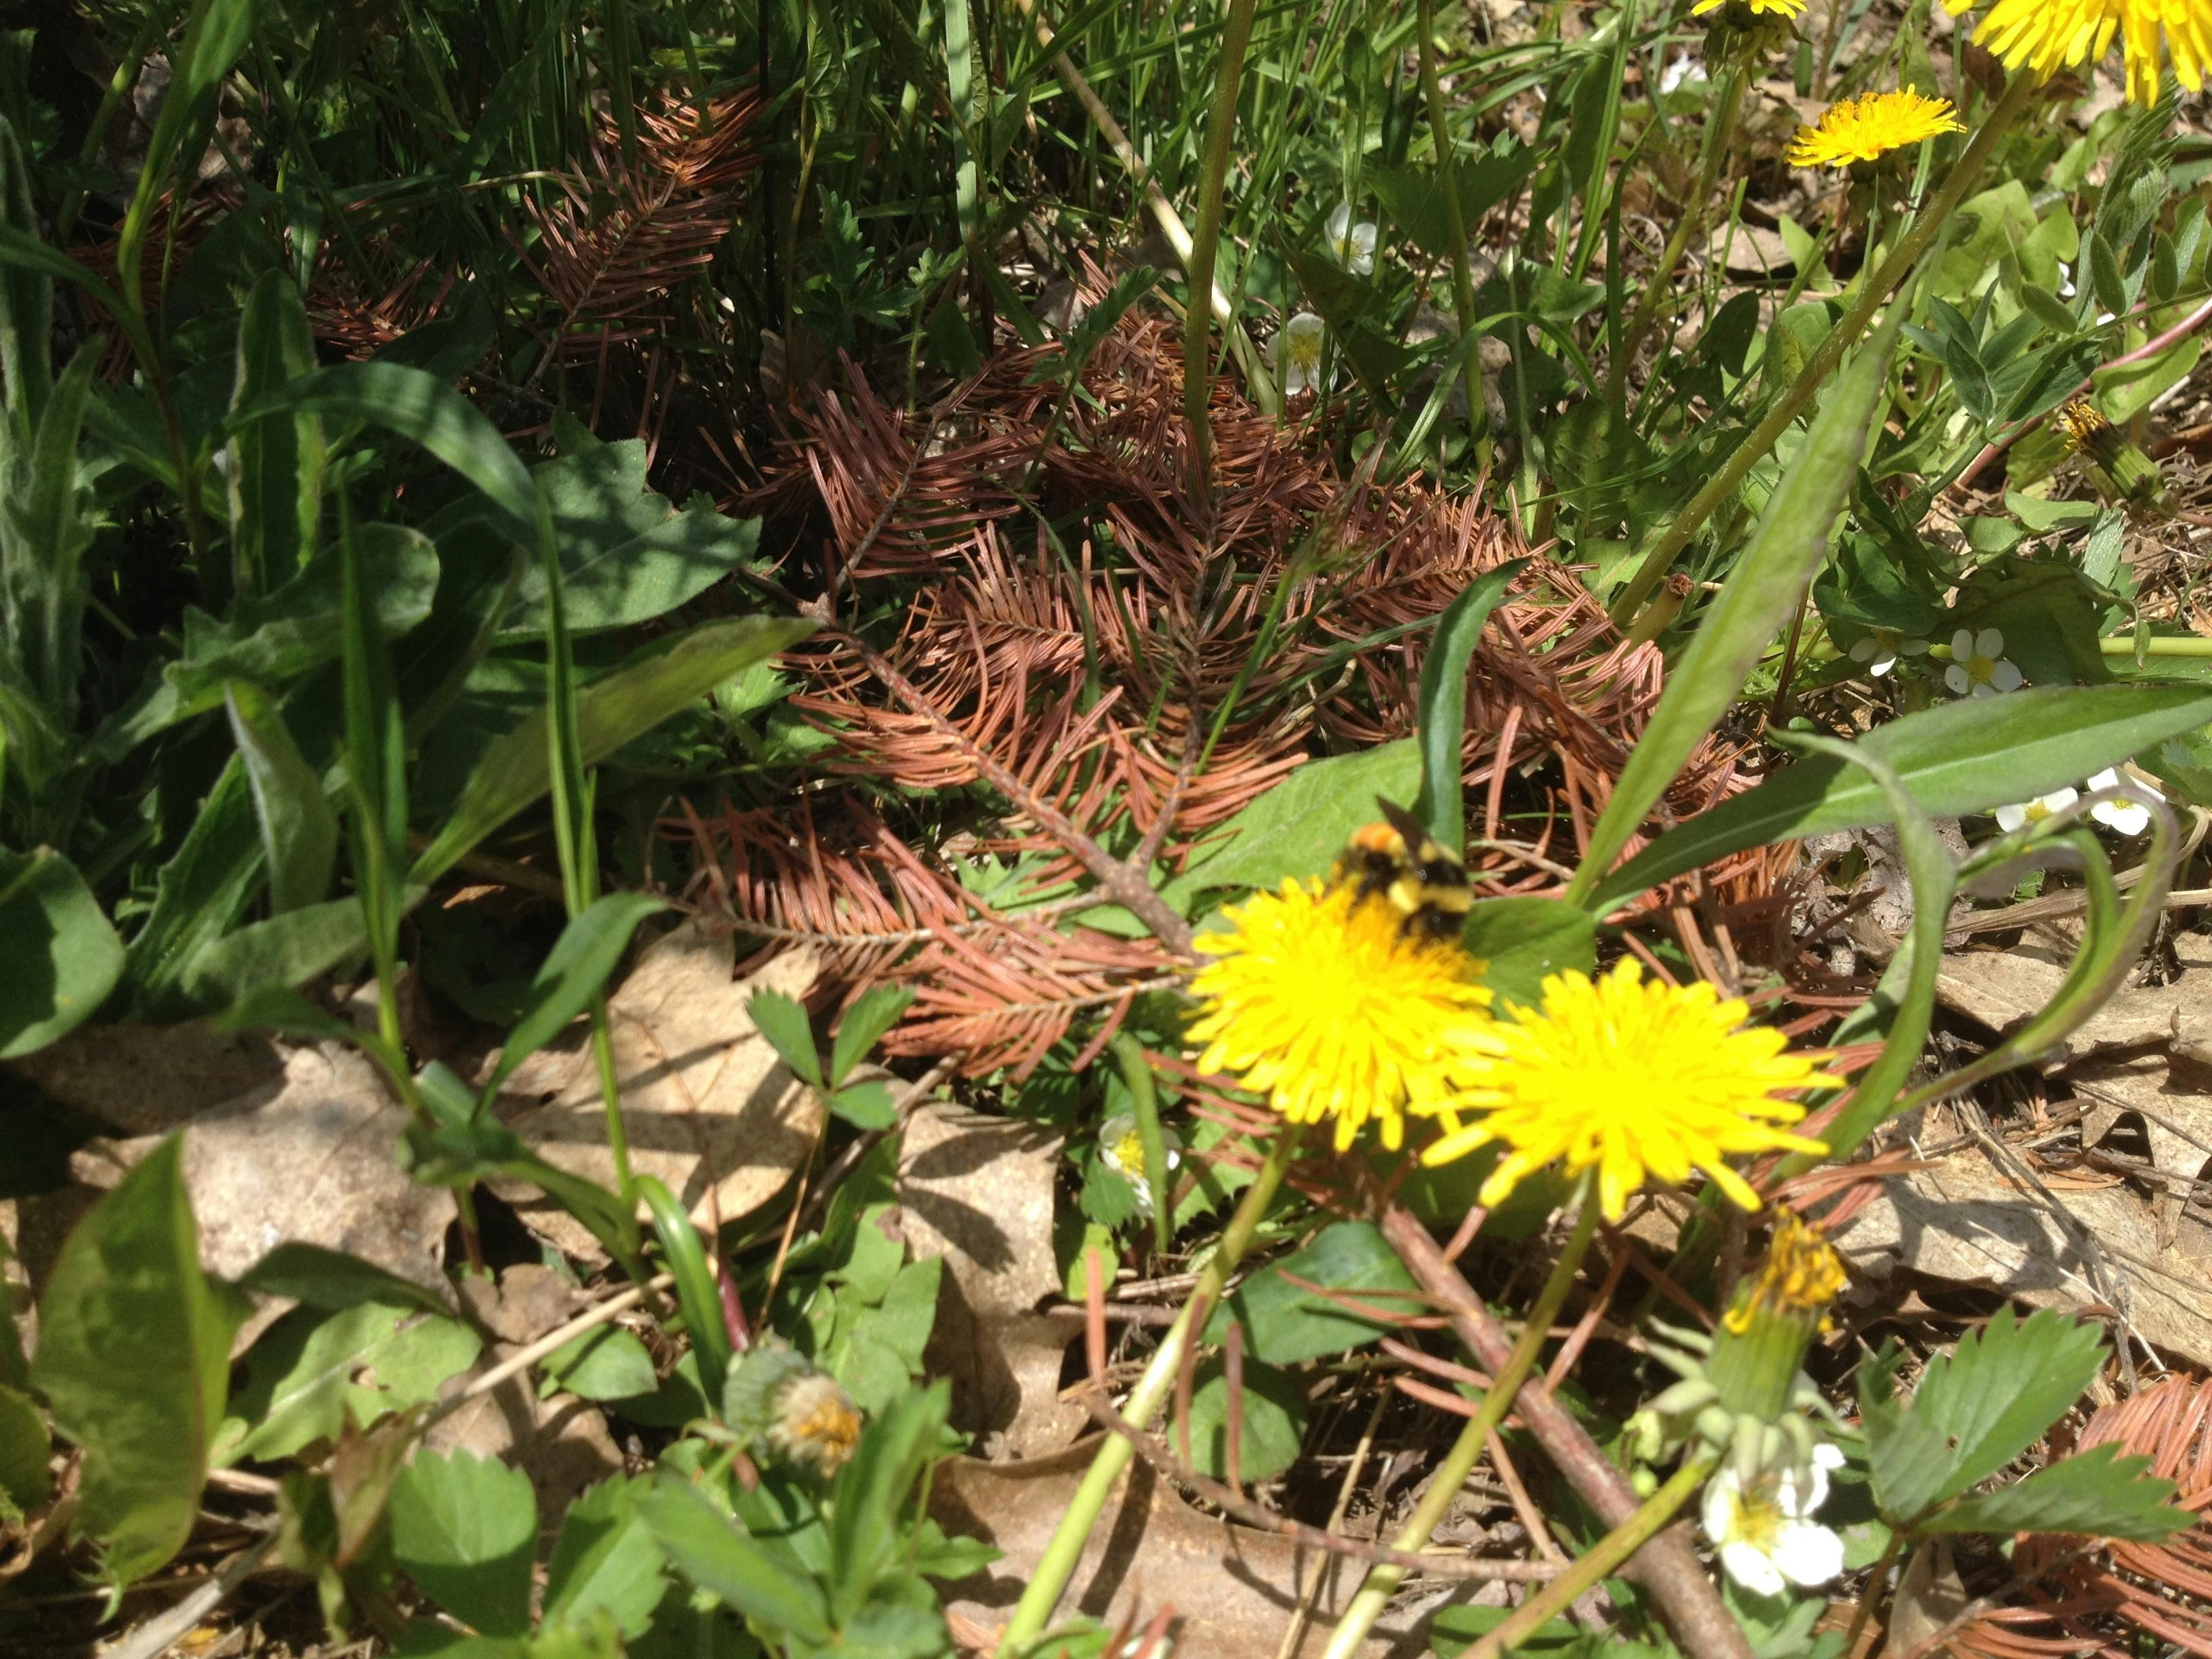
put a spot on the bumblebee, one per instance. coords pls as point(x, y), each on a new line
point(1397, 860)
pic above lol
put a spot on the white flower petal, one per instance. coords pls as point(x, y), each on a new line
point(1982, 688)
point(1882, 664)
point(1914, 647)
point(1962, 644)
point(1750, 1567)
point(2107, 779)
point(2004, 676)
point(1721, 1494)
point(1827, 1456)
point(2010, 818)
point(1340, 224)
point(1865, 650)
point(1806, 1552)
point(1955, 677)
point(2128, 818)
point(1988, 643)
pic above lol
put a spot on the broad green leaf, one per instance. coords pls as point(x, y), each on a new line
point(275, 466)
point(1413, 196)
point(299, 831)
point(133, 1356)
point(866, 1105)
point(42, 542)
point(611, 711)
point(302, 1377)
point(282, 951)
point(606, 1363)
point(1298, 827)
point(1967, 756)
point(871, 1489)
point(760, 1580)
point(416, 405)
point(1286, 1321)
point(574, 971)
point(627, 554)
point(61, 956)
point(332, 1280)
point(1765, 586)
point(465, 1529)
point(1273, 1426)
point(1442, 723)
point(783, 1021)
point(25, 1449)
point(1994, 1395)
point(606, 1560)
point(2094, 1494)
point(873, 1012)
point(1521, 941)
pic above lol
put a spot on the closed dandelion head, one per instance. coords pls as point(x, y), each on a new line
point(1635, 1081)
point(2046, 36)
point(1861, 129)
point(1330, 1008)
point(2082, 424)
point(775, 1399)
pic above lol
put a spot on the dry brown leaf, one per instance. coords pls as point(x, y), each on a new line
point(307, 1157)
point(562, 1443)
point(708, 1107)
point(976, 1191)
point(1234, 1587)
point(142, 1079)
point(1961, 1220)
point(2001, 989)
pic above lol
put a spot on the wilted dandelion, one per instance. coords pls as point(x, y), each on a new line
point(1330, 1007)
point(2045, 36)
point(1861, 129)
point(1636, 1080)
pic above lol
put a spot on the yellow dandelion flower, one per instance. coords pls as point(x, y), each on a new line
point(2082, 424)
point(1860, 129)
point(1758, 8)
point(2046, 36)
point(1634, 1079)
point(1330, 1007)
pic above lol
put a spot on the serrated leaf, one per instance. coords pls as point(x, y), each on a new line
point(465, 1528)
point(873, 1012)
point(2095, 1494)
point(783, 1021)
point(1996, 1394)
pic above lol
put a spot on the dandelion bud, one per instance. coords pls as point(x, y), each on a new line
point(2120, 470)
point(777, 1400)
point(1761, 1344)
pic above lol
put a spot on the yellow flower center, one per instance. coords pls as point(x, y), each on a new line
point(1129, 1152)
point(1755, 1518)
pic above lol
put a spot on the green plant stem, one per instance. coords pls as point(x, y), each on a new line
point(1728, 100)
point(1455, 221)
point(1603, 1559)
point(1382, 1579)
point(1762, 438)
point(2158, 645)
point(1872, 1593)
point(1057, 1566)
point(1221, 128)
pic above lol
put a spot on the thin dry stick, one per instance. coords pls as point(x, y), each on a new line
point(1303, 1617)
point(1155, 1451)
point(523, 1358)
point(157, 1635)
point(1667, 1565)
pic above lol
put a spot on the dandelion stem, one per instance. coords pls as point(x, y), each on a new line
point(1603, 1558)
point(1727, 99)
point(1455, 221)
point(1057, 1566)
point(1197, 366)
point(1383, 1580)
point(1821, 363)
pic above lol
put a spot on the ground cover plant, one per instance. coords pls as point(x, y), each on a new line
point(926, 828)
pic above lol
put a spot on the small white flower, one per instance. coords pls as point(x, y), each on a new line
point(2128, 818)
point(1298, 353)
point(1880, 650)
point(1767, 1537)
point(1352, 245)
point(2010, 818)
point(1680, 72)
point(1977, 669)
point(2065, 281)
point(1123, 1149)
